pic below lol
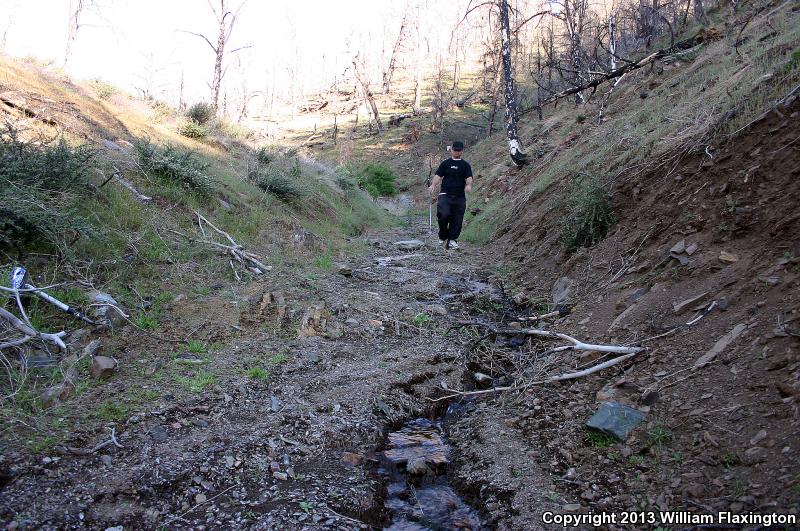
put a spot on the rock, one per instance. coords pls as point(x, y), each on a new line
point(115, 528)
point(614, 419)
point(680, 258)
point(571, 507)
point(351, 321)
point(200, 498)
point(275, 404)
point(417, 467)
point(679, 307)
point(224, 204)
point(758, 437)
point(562, 290)
point(649, 397)
point(159, 434)
point(436, 309)
point(679, 247)
point(728, 258)
point(375, 323)
point(691, 249)
point(56, 393)
point(313, 322)
point(102, 367)
point(230, 461)
point(481, 378)
point(344, 270)
point(106, 460)
point(107, 312)
point(280, 476)
point(410, 245)
point(352, 459)
point(721, 344)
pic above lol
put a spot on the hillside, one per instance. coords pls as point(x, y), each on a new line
point(283, 352)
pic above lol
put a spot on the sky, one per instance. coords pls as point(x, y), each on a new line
point(143, 44)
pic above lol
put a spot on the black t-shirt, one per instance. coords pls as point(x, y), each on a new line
point(454, 173)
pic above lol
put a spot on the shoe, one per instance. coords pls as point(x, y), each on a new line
point(441, 242)
point(453, 244)
point(446, 244)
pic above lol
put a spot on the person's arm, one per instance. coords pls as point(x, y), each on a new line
point(437, 181)
point(468, 187)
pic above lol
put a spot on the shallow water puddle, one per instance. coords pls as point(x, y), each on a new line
point(418, 494)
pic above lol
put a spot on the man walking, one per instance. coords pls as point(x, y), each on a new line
point(455, 177)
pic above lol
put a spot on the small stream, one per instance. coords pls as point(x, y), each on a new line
point(419, 496)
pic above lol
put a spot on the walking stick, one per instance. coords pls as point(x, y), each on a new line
point(430, 202)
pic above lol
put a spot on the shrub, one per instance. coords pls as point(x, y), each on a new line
point(201, 113)
point(588, 214)
point(193, 130)
point(377, 179)
point(345, 179)
point(175, 165)
point(279, 183)
point(266, 154)
point(103, 90)
point(40, 186)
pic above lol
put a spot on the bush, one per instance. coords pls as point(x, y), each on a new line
point(377, 180)
point(201, 113)
point(193, 130)
point(266, 154)
point(588, 215)
point(103, 90)
point(175, 165)
point(40, 186)
point(345, 179)
point(279, 183)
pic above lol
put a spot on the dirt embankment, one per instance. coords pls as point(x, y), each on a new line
point(721, 227)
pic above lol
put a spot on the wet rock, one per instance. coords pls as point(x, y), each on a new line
point(102, 367)
point(562, 290)
point(616, 420)
point(727, 258)
point(409, 245)
point(417, 467)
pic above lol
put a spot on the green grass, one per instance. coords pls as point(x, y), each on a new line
point(111, 411)
point(588, 213)
point(324, 262)
point(197, 347)
point(200, 381)
point(278, 358)
point(257, 373)
point(478, 229)
point(421, 319)
point(658, 435)
point(597, 439)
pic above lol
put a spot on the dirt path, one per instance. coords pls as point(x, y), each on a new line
point(299, 449)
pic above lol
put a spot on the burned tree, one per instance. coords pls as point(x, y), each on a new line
point(225, 22)
point(368, 96)
point(514, 146)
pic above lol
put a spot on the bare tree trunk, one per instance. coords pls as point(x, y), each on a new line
point(514, 147)
point(216, 83)
point(367, 94)
point(612, 41)
point(75, 11)
point(700, 12)
point(387, 75)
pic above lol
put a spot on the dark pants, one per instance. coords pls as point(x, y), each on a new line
point(450, 214)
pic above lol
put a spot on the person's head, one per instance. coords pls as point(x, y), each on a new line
point(457, 149)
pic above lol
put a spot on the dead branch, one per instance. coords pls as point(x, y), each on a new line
point(576, 343)
point(629, 67)
point(86, 451)
point(245, 258)
point(557, 378)
point(29, 331)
